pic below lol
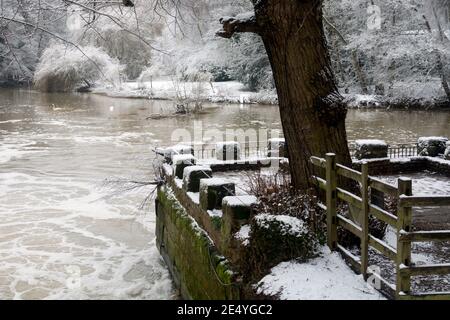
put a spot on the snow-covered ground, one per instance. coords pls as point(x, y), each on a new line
point(235, 92)
point(324, 278)
point(167, 89)
point(423, 253)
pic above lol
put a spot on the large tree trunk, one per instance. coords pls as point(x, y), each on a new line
point(312, 111)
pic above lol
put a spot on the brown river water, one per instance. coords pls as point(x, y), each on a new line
point(62, 235)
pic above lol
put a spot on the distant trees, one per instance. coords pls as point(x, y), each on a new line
point(179, 36)
point(27, 26)
point(21, 42)
point(393, 60)
point(193, 46)
point(395, 57)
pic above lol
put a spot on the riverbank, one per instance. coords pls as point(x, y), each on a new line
point(236, 92)
point(215, 92)
point(360, 101)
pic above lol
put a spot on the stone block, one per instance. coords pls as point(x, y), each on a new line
point(192, 176)
point(212, 192)
point(180, 162)
point(371, 149)
point(236, 213)
point(180, 149)
point(431, 146)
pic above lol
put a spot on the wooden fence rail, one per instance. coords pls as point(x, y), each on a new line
point(361, 208)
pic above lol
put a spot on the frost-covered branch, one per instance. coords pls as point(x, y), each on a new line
point(28, 27)
point(52, 34)
point(244, 22)
point(335, 30)
point(114, 19)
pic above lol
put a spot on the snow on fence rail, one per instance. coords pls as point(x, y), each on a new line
point(361, 208)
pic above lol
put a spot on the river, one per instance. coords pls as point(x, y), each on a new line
point(63, 235)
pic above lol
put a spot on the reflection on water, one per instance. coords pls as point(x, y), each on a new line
point(56, 149)
point(397, 126)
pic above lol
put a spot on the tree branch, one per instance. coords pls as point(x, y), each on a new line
point(244, 22)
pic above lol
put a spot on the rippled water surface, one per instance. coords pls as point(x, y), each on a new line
point(61, 236)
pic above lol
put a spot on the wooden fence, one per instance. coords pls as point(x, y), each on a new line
point(362, 208)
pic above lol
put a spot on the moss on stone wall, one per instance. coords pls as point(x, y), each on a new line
point(200, 271)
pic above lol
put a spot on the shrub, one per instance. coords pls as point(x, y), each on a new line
point(285, 225)
point(274, 243)
point(277, 196)
point(278, 238)
point(62, 68)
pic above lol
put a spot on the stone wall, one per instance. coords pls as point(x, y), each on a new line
point(197, 220)
point(197, 268)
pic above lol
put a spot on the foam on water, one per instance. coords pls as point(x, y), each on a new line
point(11, 121)
point(60, 240)
point(61, 237)
point(11, 151)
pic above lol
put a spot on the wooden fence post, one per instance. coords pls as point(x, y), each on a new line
point(403, 248)
point(365, 219)
point(331, 200)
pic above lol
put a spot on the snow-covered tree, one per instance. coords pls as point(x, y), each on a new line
point(394, 51)
point(193, 46)
point(22, 36)
point(397, 56)
point(27, 26)
point(64, 68)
